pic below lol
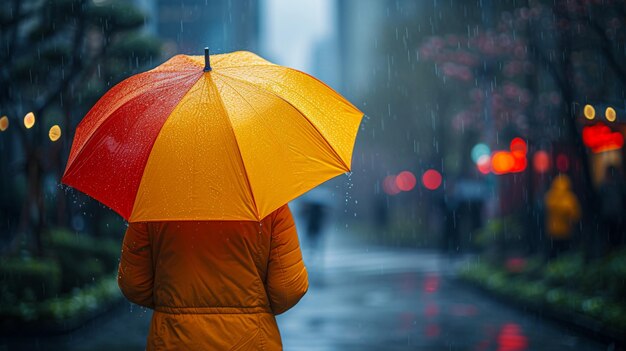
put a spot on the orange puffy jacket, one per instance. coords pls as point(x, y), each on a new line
point(214, 285)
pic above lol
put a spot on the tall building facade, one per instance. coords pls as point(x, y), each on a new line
point(187, 26)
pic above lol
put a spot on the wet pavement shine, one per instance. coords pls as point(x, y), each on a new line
point(384, 299)
point(364, 298)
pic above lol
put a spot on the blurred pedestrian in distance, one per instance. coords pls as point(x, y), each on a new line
point(214, 285)
point(562, 211)
point(315, 213)
point(612, 198)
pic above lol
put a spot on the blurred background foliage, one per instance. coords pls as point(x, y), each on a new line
point(59, 250)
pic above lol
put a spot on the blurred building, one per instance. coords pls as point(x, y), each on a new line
point(360, 24)
point(187, 26)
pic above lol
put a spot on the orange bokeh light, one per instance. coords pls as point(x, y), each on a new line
point(406, 181)
point(589, 112)
point(4, 123)
point(29, 120)
point(431, 179)
point(502, 162)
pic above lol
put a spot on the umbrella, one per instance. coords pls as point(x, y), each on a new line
point(225, 137)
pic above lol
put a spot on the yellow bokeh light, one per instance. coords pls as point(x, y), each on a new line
point(55, 132)
point(610, 114)
point(29, 120)
point(589, 111)
point(4, 123)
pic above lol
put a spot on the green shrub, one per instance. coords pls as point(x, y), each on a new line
point(565, 284)
point(86, 300)
point(565, 269)
point(83, 259)
point(79, 304)
point(28, 280)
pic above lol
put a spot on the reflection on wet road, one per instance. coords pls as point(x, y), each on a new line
point(370, 298)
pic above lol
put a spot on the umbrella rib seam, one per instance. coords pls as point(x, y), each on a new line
point(132, 209)
point(334, 152)
point(243, 164)
point(339, 96)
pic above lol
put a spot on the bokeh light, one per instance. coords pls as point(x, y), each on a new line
point(502, 162)
point(562, 163)
point(519, 164)
point(29, 120)
point(431, 179)
point(479, 150)
point(389, 185)
point(600, 138)
point(55, 133)
point(512, 338)
point(519, 148)
point(4, 123)
point(541, 161)
point(484, 164)
point(610, 114)
point(405, 181)
point(589, 112)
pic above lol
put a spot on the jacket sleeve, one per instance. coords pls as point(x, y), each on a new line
point(135, 274)
point(287, 278)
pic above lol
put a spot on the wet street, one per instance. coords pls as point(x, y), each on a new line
point(365, 298)
point(369, 298)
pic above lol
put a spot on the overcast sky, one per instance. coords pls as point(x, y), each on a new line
point(291, 28)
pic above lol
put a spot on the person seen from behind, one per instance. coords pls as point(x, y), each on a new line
point(562, 211)
point(214, 285)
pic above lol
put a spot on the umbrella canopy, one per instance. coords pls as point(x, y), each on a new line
point(233, 140)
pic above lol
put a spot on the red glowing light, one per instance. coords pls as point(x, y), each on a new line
point(519, 165)
point(431, 284)
point(515, 264)
point(519, 148)
point(433, 330)
point(431, 179)
point(389, 185)
point(405, 181)
point(502, 162)
point(599, 138)
point(484, 164)
point(562, 163)
point(511, 338)
point(541, 161)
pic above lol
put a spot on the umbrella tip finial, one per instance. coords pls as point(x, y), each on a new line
point(207, 60)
